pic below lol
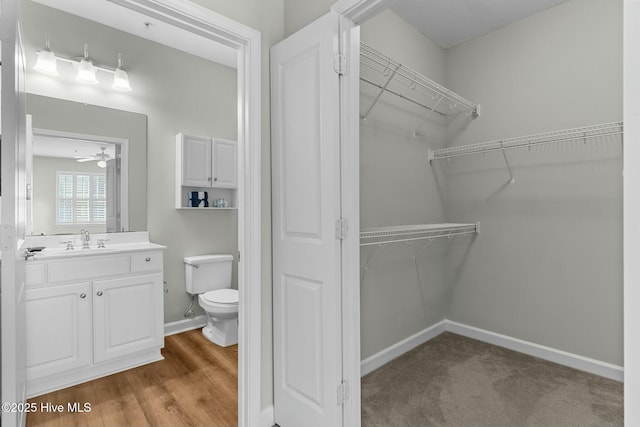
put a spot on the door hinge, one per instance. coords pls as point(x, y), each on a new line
point(7, 238)
point(339, 63)
point(343, 392)
point(342, 228)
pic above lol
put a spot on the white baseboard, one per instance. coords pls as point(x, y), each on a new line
point(560, 357)
point(267, 418)
point(385, 356)
point(185, 325)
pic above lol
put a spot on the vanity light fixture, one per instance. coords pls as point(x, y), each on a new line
point(87, 70)
point(46, 62)
point(121, 78)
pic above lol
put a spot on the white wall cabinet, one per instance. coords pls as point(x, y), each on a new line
point(105, 317)
point(206, 164)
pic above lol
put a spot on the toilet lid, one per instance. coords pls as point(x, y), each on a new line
point(222, 296)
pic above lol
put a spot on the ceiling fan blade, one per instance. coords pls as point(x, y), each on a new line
point(85, 159)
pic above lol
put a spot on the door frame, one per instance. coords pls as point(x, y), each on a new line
point(247, 43)
point(359, 11)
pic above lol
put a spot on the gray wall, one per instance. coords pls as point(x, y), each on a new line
point(547, 265)
point(157, 90)
point(397, 187)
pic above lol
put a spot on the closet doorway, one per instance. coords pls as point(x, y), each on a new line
point(500, 168)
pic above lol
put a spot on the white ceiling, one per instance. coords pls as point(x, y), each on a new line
point(126, 20)
point(53, 146)
point(450, 22)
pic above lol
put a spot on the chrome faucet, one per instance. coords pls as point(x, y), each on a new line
point(84, 234)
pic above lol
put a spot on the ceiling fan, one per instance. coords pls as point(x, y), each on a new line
point(101, 157)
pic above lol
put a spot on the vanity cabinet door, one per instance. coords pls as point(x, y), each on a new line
point(128, 316)
point(196, 161)
point(58, 321)
point(224, 164)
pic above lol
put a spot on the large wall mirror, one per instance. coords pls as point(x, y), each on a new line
point(89, 168)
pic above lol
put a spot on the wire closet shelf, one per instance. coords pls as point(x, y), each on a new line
point(387, 75)
point(577, 134)
point(409, 233)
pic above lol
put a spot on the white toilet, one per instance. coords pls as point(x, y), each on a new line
point(209, 277)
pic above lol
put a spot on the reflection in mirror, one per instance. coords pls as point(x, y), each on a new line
point(89, 168)
point(78, 181)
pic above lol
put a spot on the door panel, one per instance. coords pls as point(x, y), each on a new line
point(127, 316)
point(59, 321)
point(306, 204)
point(224, 163)
point(196, 161)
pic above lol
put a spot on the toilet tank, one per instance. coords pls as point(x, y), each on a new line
point(207, 273)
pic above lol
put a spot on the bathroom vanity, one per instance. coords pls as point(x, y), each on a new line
point(92, 312)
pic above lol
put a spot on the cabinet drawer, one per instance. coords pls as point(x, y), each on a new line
point(89, 268)
point(146, 262)
point(36, 275)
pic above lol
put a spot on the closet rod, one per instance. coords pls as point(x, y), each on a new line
point(577, 134)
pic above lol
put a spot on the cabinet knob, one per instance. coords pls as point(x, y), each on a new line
point(209, 179)
point(83, 295)
point(147, 259)
point(215, 179)
point(99, 293)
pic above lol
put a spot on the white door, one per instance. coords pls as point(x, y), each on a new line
point(12, 229)
point(59, 325)
point(224, 164)
point(196, 161)
point(127, 316)
point(306, 206)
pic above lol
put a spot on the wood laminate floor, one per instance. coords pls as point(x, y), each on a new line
point(196, 385)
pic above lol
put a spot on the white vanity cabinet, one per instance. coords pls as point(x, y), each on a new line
point(206, 164)
point(127, 316)
point(90, 316)
point(58, 329)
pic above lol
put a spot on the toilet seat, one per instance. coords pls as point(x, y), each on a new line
point(222, 296)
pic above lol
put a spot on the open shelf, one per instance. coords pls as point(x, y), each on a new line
point(408, 233)
point(576, 134)
point(389, 76)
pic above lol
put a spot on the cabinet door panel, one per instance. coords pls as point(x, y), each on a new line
point(196, 161)
point(59, 326)
point(128, 316)
point(225, 164)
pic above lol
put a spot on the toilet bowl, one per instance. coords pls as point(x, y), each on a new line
point(209, 277)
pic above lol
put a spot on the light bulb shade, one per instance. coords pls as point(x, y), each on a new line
point(121, 81)
point(102, 164)
point(86, 72)
point(46, 63)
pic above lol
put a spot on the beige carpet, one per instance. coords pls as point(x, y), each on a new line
point(455, 381)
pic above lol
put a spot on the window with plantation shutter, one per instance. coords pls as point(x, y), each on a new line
point(81, 198)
